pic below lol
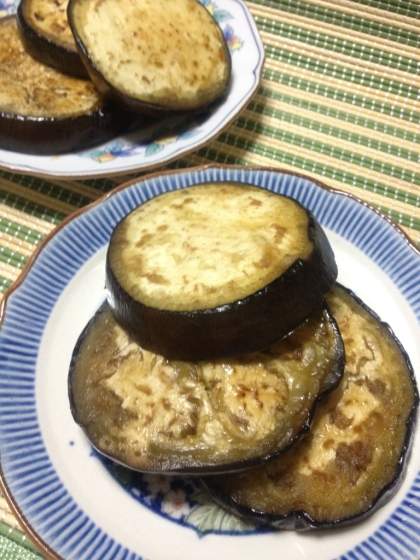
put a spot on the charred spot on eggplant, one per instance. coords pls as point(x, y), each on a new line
point(157, 415)
point(43, 111)
point(216, 270)
point(160, 57)
point(47, 36)
point(354, 457)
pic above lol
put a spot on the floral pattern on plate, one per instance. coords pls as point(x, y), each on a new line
point(178, 499)
point(8, 7)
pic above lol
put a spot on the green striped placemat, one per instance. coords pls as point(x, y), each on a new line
point(338, 101)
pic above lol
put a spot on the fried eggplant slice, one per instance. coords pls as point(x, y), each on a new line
point(156, 415)
point(47, 36)
point(354, 457)
point(152, 56)
point(45, 112)
point(216, 270)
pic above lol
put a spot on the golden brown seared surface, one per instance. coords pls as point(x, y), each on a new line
point(49, 18)
point(358, 436)
point(208, 245)
point(29, 88)
point(161, 415)
point(166, 53)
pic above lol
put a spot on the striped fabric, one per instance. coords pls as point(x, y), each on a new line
point(339, 100)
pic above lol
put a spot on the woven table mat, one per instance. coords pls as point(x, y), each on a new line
point(339, 100)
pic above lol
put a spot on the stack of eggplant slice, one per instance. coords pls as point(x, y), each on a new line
point(46, 35)
point(227, 351)
point(354, 457)
point(72, 78)
point(43, 111)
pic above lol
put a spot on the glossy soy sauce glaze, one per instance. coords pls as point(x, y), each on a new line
point(45, 112)
point(169, 416)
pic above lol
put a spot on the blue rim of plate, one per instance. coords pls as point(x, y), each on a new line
point(25, 463)
point(166, 140)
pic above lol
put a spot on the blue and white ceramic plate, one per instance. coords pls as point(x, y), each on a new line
point(78, 507)
point(173, 137)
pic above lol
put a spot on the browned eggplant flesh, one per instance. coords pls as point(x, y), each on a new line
point(43, 111)
point(216, 270)
point(354, 457)
point(47, 36)
point(158, 415)
point(152, 55)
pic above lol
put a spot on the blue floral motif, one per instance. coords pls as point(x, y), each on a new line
point(110, 152)
point(233, 41)
point(163, 140)
point(222, 16)
point(178, 499)
point(219, 15)
point(8, 7)
point(159, 138)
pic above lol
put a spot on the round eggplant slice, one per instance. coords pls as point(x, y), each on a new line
point(157, 56)
point(216, 270)
point(47, 36)
point(354, 458)
point(156, 415)
point(45, 112)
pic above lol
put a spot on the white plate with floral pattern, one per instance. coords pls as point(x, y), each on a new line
point(172, 138)
point(77, 506)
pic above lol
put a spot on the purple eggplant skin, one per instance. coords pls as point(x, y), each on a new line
point(301, 520)
point(46, 51)
point(54, 136)
point(243, 326)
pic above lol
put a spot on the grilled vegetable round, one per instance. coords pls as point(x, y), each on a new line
point(355, 455)
point(216, 270)
point(46, 35)
point(43, 111)
point(153, 414)
point(152, 56)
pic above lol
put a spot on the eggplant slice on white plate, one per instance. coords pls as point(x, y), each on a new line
point(217, 269)
point(170, 416)
point(46, 112)
point(354, 458)
point(152, 56)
